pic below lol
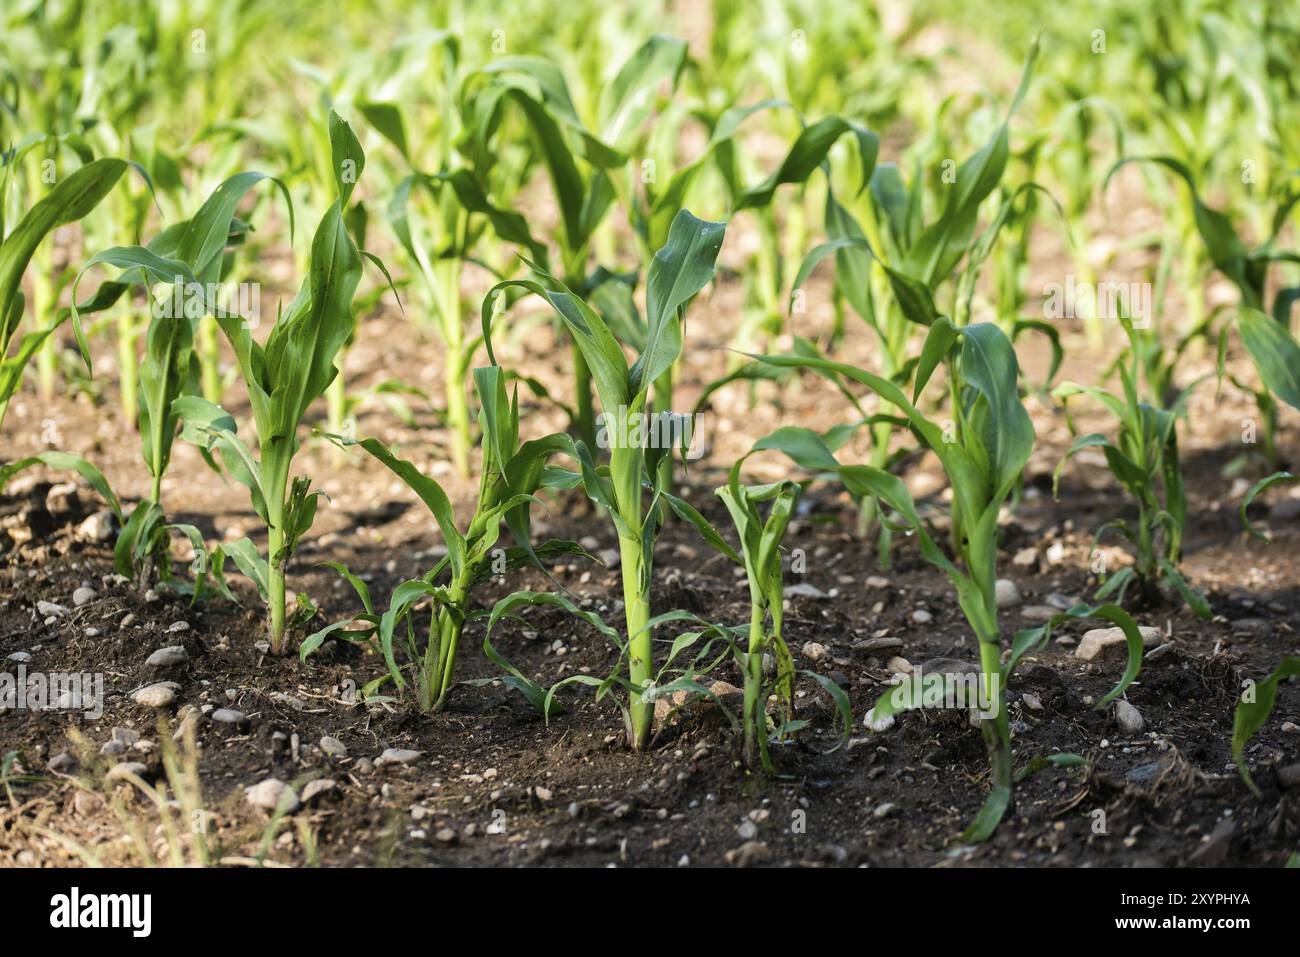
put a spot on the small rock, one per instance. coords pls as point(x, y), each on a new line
point(1030, 701)
point(1055, 553)
point(1105, 641)
point(86, 803)
point(878, 724)
point(751, 852)
point(272, 795)
point(884, 810)
point(877, 581)
point(151, 597)
point(333, 747)
point(1006, 593)
point(1288, 777)
point(169, 657)
point(804, 590)
point(100, 527)
point(62, 763)
point(177, 627)
point(155, 696)
point(229, 716)
point(922, 617)
point(1128, 718)
point(49, 609)
point(445, 835)
point(543, 793)
point(1038, 613)
point(316, 788)
point(83, 596)
point(397, 756)
point(814, 651)
point(1025, 558)
point(611, 557)
point(899, 665)
point(20, 657)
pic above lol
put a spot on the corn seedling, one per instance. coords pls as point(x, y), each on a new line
point(188, 258)
point(760, 543)
point(1143, 457)
point(283, 377)
point(539, 89)
point(512, 472)
point(680, 270)
point(983, 458)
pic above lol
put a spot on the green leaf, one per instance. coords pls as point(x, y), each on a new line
point(1251, 715)
point(1275, 353)
point(66, 461)
point(1255, 491)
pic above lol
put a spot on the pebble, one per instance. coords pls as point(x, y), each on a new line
point(169, 657)
point(1055, 553)
point(100, 527)
point(1006, 593)
point(922, 617)
point(272, 795)
point(155, 696)
point(748, 830)
point(883, 810)
point(1038, 613)
point(333, 747)
point(62, 763)
point(611, 557)
point(316, 788)
point(1025, 558)
point(877, 581)
point(804, 590)
point(397, 756)
point(49, 609)
point(814, 651)
point(543, 793)
point(83, 596)
point(1288, 777)
point(878, 724)
point(1105, 641)
point(229, 716)
point(177, 627)
point(21, 657)
point(1128, 718)
point(445, 835)
point(899, 665)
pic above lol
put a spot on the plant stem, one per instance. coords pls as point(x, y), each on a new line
point(640, 663)
point(126, 364)
point(209, 355)
point(753, 714)
point(447, 273)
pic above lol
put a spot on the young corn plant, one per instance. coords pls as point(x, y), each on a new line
point(581, 165)
point(1276, 356)
point(187, 258)
point(71, 199)
point(892, 267)
point(983, 457)
point(760, 543)
point(283, 377)
point(512, 472)
point(680, 269)
point(1143, 457)
point(439, 212)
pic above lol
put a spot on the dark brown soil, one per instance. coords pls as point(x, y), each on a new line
point(497, 785)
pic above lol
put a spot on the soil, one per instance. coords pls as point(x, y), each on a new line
point(495, 784)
